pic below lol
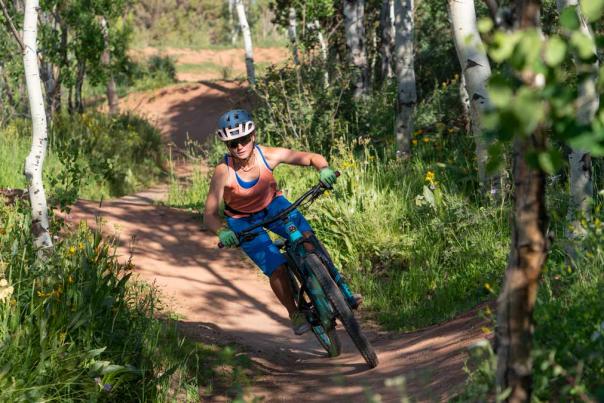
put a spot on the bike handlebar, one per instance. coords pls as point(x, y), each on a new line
point(315, 192)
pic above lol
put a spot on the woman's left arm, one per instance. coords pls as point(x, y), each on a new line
point(277, 155)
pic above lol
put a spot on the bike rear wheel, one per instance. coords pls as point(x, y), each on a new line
point(333, 293)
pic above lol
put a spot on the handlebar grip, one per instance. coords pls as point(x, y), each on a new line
point(337, 174)
point(220, 245)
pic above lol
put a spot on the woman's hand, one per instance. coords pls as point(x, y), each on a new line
point(327, 176)
point(228, 238)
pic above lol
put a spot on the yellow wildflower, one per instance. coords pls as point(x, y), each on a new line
point(70, 279)
point(488, 287)
point(431, 178)
point(414, 142)
point(426, 139)
point(72, 250)
point(80, 246)
point(486, 330)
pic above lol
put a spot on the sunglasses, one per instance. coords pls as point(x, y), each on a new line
point(242, 140)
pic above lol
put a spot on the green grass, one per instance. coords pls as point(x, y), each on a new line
point(77, 328)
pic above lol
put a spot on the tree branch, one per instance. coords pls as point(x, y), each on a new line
point(493, 8)
point(9, 21)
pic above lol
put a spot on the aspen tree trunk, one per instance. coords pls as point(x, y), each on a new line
point(405, 75)
point(55, 97)
point(79, 102)
point(465, 103)
point(387, 39)
point(291, 31)
point(231, 22)
point(247, 42)
point(476, 71)
point(316, 26)
point(35, 160)
point(528, 251)
point(581, 187)
point(354, 15)
point(112, 98)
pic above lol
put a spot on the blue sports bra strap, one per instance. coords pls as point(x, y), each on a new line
point(264, 159)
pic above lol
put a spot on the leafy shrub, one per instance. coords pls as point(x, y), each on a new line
point(90, 155)
point(116, 155)
point(162, 65)
point(76, 327)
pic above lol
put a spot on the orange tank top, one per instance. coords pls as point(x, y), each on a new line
point(243, 198)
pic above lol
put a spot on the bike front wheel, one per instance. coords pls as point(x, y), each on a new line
point(322, 324)
point(333, 293)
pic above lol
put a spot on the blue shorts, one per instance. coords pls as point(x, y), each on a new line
point(261, 249)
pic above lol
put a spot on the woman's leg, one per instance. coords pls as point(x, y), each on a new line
point(282, 288)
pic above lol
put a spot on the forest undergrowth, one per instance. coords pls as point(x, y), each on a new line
point(416, 237)
point(76, 327)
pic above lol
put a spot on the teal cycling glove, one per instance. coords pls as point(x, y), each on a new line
point(228, 238)
point(327, 176)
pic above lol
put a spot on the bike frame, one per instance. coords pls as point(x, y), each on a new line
point(295, 253)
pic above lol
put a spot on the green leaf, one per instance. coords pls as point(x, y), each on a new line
point(529, 109)
point(550, 161)
point(592, 9)
point(555, 51)
point(499, 91)
point(503, 45)
point(569, 18)
point(485, 25)
point(528, 50)
point(429, 197)
point(96, 351)
point(583, 44)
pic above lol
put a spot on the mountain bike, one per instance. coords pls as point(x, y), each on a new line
point(319, 290)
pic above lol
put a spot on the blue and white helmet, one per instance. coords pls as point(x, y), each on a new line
point(234, 124)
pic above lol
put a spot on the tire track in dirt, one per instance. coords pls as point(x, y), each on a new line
point(223, 299)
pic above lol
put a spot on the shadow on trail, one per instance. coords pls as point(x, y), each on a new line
point(158, 237)
point(195, 115)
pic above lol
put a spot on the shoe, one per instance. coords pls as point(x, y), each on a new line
point(358, 300)
point(299, 323)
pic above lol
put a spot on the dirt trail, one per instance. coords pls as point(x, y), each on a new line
point(224, 299)
point(213, 64)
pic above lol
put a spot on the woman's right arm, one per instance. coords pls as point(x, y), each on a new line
point(211, 218)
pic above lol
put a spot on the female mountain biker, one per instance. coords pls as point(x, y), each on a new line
point(244, 182)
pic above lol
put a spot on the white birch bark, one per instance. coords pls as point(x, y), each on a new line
point(588, 102)
point(387, 38)
point(476, 71)
point(112, 98)
point(354, 15)
point(291, 31)
point(35, 160)
point(247, 42)
point(405, 75)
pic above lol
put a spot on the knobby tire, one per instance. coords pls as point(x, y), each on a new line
point(334, 348)
point(316, 266)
